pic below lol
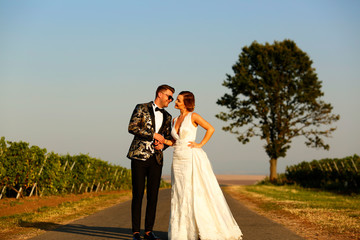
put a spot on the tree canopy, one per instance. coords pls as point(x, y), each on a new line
point(276, 95)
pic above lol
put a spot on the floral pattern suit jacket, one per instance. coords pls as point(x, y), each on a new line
point(142, 126)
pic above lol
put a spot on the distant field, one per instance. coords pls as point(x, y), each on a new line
point(232, 179)
point(311, 213)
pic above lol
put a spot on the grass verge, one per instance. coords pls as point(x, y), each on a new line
point(310, 213)
point(31, 223)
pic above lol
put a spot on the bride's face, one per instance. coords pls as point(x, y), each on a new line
point(179, 103)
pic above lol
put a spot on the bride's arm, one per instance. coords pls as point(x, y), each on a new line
point(172, 141)
point(169, 142)
point(198, 120)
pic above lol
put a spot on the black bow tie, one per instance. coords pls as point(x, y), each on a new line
point(159, 109)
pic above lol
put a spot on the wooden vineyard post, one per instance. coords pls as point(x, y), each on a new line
point(71, 168)
point(330, 169)
point(336, 167)
point(320, 166)
point(19, 193)
point(342, 164)
point(97, 187)
point(352, 160)
point(310, 166)
point(92, 186)
point(83, 183)
point(2, 192)
point(116, 181)
point(114, 178)
point(80, 187)
point(65, 165)
point(32, 190)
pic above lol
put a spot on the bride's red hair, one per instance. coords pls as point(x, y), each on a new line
point(189, 100)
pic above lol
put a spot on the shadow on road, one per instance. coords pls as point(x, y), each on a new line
point(82, 230)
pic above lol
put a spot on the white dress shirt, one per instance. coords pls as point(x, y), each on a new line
point(158, 118)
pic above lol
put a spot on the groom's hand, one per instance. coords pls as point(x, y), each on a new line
point(158, 145)
point(159, 137)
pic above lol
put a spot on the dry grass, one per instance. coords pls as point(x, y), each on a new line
point(46, 215)
point(311, 214)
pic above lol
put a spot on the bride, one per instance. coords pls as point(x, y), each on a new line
point(198, 206)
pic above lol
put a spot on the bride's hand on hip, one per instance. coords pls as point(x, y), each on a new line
point(194, 145)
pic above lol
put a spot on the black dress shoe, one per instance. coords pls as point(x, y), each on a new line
point(136, 236)
point(151, 236)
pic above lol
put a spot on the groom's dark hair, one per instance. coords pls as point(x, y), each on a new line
point(164, 87)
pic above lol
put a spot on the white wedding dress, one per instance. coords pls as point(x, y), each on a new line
point(198, 206)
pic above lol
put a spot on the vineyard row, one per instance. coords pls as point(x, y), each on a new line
point(27, 171)
point(332, 174)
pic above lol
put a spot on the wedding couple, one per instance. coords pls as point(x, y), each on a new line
point(198, 207)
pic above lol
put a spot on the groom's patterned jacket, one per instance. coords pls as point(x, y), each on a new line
point(142, 125)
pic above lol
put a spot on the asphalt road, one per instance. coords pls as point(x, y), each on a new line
point(115, 223)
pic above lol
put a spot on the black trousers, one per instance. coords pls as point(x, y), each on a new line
point(150, 171)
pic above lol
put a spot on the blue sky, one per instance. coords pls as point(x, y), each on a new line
point(71, 72)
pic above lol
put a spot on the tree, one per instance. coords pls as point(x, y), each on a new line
point(276, 95)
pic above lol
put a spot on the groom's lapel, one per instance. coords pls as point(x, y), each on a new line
point(165, 117)
point(152, 115)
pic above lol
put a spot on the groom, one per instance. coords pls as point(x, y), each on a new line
point(151, 125)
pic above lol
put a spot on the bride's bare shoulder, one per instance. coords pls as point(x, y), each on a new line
point(195, 115)
point(195, 118)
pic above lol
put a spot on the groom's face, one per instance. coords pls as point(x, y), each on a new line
point(166, 97)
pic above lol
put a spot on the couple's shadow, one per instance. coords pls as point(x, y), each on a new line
point(83, 231)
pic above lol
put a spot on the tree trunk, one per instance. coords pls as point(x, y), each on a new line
point(273, 174)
